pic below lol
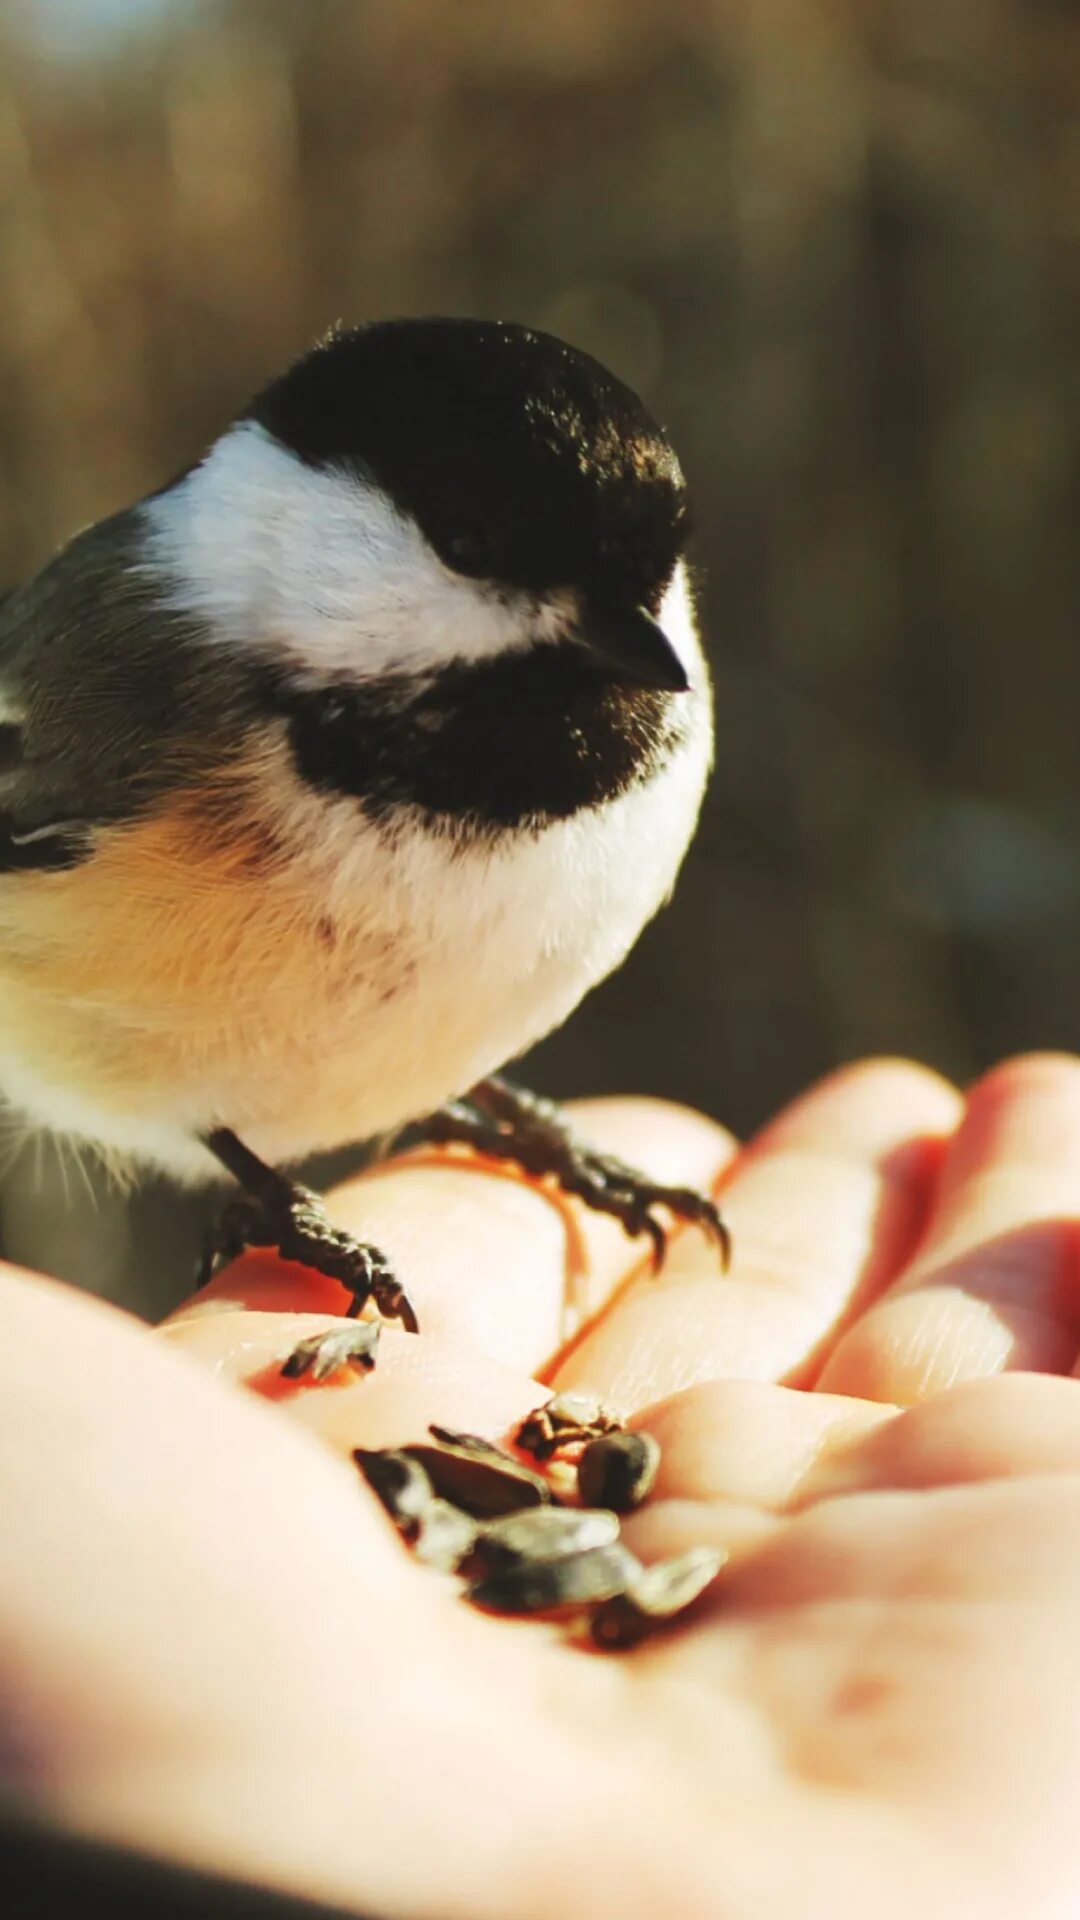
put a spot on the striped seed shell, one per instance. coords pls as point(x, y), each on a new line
point(322, 1354)
point(444, 1537)
point(552, 1587)
point(563, 1420)
point(399, 1482)
point(655, 1596)
point(575, 1410)
point(483, 1484)
point(467, 1442)
point(542, 1533)
point(618, 1470)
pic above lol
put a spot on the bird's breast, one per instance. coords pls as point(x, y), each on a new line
point(275, 959)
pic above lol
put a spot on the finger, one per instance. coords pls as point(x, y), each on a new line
point(1009, 1428)
point(485, 1255)
point(78, 1378)
point(483, 1258)
point(215, 1640)
point(824, 1208)
point(735, 1456)
point(138, 1497)
point(751, 1441)
point(674, 1146)
point(994, 1286)
point(417, 1381)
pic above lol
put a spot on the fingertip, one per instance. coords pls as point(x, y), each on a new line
point(750, 1441)
point(867, 1106)
point(1007, 1427)
point(676, 1142)
point(1023, 1115)
point(262, 1282)
point(1038, 1061)
point(1024, 1075)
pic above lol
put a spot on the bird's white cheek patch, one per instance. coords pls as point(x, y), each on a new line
point(679, 623)
point(318, 568)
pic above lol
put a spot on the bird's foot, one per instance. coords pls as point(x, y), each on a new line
point(281, 1214)
point(510, 1123)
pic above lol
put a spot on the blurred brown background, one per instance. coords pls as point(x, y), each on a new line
point(834, 244)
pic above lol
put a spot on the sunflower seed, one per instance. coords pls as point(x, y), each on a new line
point(321, 1354)
point(566, 1585)
point(561, 1421)
point(656, 1595)
point(575, 1410)
point(542, 1533)
point(399, 1482)
point(482, 1483)
point(445, 1536)
point(468, 1443)
point(618, 1470)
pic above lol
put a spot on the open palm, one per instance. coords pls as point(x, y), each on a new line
point(222, 1652)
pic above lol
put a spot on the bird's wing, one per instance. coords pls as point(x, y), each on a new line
point(43, 828)
point(54, 748)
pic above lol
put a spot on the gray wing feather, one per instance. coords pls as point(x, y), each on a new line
point(108, 699)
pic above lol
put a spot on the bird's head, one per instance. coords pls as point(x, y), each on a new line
point(419, 494)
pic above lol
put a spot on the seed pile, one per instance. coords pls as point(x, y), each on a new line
point(539, 1545)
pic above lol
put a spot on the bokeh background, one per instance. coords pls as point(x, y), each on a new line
point(836, 243)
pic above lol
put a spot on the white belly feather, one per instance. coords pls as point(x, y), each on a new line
point(330, 996)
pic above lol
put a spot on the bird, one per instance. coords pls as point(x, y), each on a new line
point(338, 769)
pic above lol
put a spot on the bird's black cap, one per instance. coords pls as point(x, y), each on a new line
point(523, 460)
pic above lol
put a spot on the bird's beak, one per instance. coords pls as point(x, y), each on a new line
point(633, 646)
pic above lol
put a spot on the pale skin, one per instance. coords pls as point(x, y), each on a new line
point(216, 1648)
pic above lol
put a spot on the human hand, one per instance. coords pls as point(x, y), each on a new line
point(223, 1652)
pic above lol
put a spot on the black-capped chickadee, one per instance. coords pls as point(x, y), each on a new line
point(334, 774)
